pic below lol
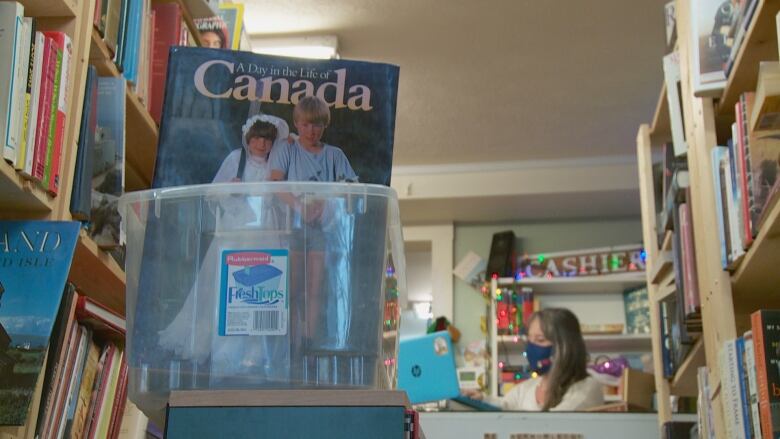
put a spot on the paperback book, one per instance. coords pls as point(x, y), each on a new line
point(35, 258)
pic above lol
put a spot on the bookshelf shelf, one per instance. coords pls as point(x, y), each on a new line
point(594, 342)
point(198, 8)
point(20, 194)
point(49, 8)
point(662, 266)
point(96, 274)
point(684, 382)
point(661, 130)
point(760, 44)
point(756, 279)
point(141, 130)
point(610, 283)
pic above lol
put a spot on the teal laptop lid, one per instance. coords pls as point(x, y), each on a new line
point(426, 368)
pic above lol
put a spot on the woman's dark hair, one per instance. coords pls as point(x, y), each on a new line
point(570, 357)
point(266, 130)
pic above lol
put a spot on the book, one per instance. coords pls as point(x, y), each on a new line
point(49, 158)
point(81, 192)
point(733, 414)
point(709, 48)
point(764, 167)
point(637, 308)
point(37, 87)
point(672, 79)
point(21, 66)
point(232, 14)
point(21, 157)
point(692, 301)
point(210, 95)
point(65, 43)
point(765, 326)
point(213, 32)
point(108, 162)
point(167, 32)
point(76, 429)
point(751, 388)
point(48, 75)
point(11, 22)
point(134, 423)
point(35, 258)
point(104, 321)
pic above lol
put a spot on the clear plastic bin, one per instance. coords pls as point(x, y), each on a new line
point(261, 285)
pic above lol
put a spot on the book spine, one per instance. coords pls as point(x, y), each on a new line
point(20, 84)
point(739, 143)
point(729, 375)
point(52, 113)
point(11, 14)
point(44, 106)
point(751, 194)
point(21, 157)
point(35, 96)
point(744, 403)
point(750, 367)
point(59, 137)
point(765, 340)
point(692, 303)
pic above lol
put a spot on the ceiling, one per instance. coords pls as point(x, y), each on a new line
point(499, 80)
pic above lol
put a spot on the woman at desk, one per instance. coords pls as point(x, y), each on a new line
point(556, 352)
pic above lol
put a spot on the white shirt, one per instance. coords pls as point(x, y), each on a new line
point(581, 395)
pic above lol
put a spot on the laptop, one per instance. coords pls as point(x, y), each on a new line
point(426, 368)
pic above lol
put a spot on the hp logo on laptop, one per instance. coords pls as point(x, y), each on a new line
point(416, 371)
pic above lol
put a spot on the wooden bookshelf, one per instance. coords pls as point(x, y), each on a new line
point(141, 131)
point(757, 279)
point(609, 283)
point(684, 382)
point(97, 275)
point(18, 194)
point(662, 266)
point(661, 129)
point(198, 8)
point(49, 8)
point(759, 44)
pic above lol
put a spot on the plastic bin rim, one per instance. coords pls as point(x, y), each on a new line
point(210, 189)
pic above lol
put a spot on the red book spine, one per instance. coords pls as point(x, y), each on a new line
point(119, 402)
point(59, 135)
point(167, 31)
point(692, 301)
point(42, 126)
point(762, 379)
point(739, 147)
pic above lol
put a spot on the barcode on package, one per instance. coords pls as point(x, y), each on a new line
point(254, 297)
point(267, 320)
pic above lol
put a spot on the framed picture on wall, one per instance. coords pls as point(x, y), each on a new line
point(710, 44)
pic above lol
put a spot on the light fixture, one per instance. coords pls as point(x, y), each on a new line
point(318, 47)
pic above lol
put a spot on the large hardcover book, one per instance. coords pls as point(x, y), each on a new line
point(35, 258)
point(211, 94)
point(108, 162)
point(765, 325)
point(11, 23)
point(81, 193)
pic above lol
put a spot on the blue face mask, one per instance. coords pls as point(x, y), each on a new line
point(539, 357)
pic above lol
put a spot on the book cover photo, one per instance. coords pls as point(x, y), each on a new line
point(212, 94)
point(35, 258)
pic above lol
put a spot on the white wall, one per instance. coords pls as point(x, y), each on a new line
point(441, 238)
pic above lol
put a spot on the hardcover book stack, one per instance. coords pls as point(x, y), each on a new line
point(34, 88)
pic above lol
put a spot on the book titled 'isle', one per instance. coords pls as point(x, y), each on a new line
point(35, 258)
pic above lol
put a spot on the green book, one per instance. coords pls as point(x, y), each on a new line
point(55, 96)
